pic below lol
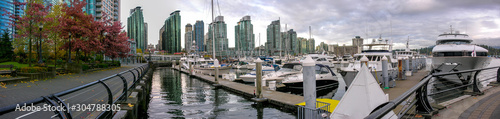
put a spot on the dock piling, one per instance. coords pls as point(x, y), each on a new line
point(258, 73)
point(385, 73)
point(309, 84)
point(216, 76)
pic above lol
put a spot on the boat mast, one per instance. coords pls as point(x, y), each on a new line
point(259, 44)
point(213, 31)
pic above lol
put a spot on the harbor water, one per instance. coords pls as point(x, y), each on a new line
point(176, 95)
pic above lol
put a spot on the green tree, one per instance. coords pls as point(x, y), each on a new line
point(6, 47)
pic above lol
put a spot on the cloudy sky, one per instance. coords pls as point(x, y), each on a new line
point(337, 21)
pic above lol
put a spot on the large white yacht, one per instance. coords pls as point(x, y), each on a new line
point(456, 49)
point(376, 51)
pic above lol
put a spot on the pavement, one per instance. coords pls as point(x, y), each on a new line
point(13, 93)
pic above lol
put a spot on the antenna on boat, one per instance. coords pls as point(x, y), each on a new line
point(407, 43)
point(451, 29)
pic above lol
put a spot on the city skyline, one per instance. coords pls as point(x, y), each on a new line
point(335, 22)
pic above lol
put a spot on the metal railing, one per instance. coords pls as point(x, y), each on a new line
point(425, 97)
point(115, 89)
point(321, 112)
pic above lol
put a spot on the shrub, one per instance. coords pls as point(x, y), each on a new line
point(31, 69)
point(85, 67)
point(102, 65)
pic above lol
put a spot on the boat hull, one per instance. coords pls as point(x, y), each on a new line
point(465, 62)
point(320, 84)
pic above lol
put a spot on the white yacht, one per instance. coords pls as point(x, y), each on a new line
point(325, 78)
point(321, 59)
point(456, 49)
point(376, 51)
point(266, 69)
point(286, 69)
point(206, 66)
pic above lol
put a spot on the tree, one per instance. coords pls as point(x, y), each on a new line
point(77, 27)
point(28, 24)
point(116, 44)
point(6, 47)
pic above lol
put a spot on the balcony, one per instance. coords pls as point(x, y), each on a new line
point(98, 9)
point(98, 4)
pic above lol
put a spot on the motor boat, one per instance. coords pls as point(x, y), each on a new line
point(266, 69)
point(206, 66)
point(321, 59)
point(456, 49)
point(325, 78)
point(376, 51)
point(287, 69)
point(454, 52)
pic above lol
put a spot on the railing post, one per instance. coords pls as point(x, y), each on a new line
point(110, 94)
point(53, 104)
point(423, 106)
point(475, 89)
point(124, 85)
point(68, 111)
point(497, 82)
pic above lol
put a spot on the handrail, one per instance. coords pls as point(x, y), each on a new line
point(379, 113)
point(143, 69)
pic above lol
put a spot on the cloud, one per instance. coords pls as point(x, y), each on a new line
point(338, 21)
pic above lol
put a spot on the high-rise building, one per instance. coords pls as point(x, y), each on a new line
point(290, 43)
point(6, 6)
point(98, 8)
point(244, 37)
point(322, 47)
point(136, 29)
point(218, 32)
point(172, 35)
point(358, 43)
point(311, 45)
point(273, 37)
point(304, 47)
point(160, 40)
point(188, 37)
point(145, 34)
point(198, 35)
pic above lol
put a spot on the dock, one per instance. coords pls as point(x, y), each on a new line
point(283, 100)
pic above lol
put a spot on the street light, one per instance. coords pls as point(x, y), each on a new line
point(69, 53)
point(40, 45)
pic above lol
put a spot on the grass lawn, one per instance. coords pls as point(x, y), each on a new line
point(15, 64)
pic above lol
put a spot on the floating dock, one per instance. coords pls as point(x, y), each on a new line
point(283, 100)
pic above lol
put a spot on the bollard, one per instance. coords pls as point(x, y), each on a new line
point(258, 73)
point(190, 69)
point(407, 68)
point(385, 74)
point(400, 68)
point(216, 76)
point(179, 65)
point(309, 76)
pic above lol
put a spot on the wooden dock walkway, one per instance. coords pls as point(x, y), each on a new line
point(283, 100)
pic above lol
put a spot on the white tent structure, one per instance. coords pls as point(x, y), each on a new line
point(364, 95)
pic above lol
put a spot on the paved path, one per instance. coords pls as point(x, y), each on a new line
point(20, 92)
point(486, 108)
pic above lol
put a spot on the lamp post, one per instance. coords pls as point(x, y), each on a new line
point(40, 27)
point(69, 53)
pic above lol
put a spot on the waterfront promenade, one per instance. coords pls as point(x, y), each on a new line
point(13, 93)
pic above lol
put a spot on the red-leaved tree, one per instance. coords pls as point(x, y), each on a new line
point(27, 25)
point(77, 27)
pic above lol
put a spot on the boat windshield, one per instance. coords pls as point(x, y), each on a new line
point(291, 67)
point(303, 58)
point(456, 42)
point(321, 70)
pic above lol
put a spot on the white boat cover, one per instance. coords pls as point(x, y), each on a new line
point(364, 95)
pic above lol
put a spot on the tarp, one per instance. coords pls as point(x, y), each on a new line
point(364, 95)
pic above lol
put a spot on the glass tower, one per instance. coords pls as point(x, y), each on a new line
point(244, 37)
point(198, 35)
point(135, 28)
point(172, 34)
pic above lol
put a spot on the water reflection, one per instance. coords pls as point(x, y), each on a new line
point(176, 95)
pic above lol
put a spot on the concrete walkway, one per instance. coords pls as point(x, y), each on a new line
point(20, 92)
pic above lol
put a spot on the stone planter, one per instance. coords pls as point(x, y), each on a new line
point(74, 68)
point(31, 75)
